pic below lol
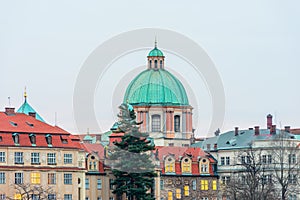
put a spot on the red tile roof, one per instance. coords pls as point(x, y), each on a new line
point(22, 124)
point(98, 148)
point(25, 125)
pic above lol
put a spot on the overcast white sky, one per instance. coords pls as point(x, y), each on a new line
point(254, 45)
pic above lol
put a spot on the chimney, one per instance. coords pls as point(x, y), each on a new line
point(269, 121)
point(32, 114)
point(287, 129)
point(9, 111)
point(256, 131)
point(236, 131)
point(215, 146)
point(273, 129)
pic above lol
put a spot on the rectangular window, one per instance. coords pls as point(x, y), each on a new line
point(186, 190)
point(99, 184)
point(87, 183)
point(170, 195)
point(178, 193)
point(222, 160)
point(204, 168)
point(156, 123)
point(68, 179)
point(68, 158)
point(18, 178)
point(2, 196)
point(17, 197)
point(227, 160)
point(2, 178)
point(35, 178)
point(111, 186)
point(264, 159)
point(225, 180)
point(51, 178)
point(214, 185)
point(51, 158)
point(19, 158)
point(35, 158)
point(204, 185)
point(68, 197)
point(245, 159)
point(51, 196)
point(269, 159)
point(161, 184)
point(292, 179)
point(2, 157)
point(35, 197)
point(292, 159)
point(194, 184)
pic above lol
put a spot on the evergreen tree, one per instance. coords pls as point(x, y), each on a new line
point(132, 165)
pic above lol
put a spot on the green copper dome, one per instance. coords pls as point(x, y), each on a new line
point(152, 87)
point(155, 52)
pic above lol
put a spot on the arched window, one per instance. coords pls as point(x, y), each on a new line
point(177, 123)
point(16, 138)
point(156, 123)
point(186, 165)
point(155, 64)
point(32, 139)
point(49, 139)
point(169, 164)
point(150, 63)
point(160, 64)
point(204, 166)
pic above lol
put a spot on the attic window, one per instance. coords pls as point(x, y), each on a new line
point(15, 138)
point(49, 139)
point(29, 124)
point(32, 138)
point(64, 139)
point(232, 142)
point(1, 139)
point(13, 123)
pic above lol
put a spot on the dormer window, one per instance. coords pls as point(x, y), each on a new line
point(92, 163)
point(32, 138)
point(14, 124)
point(169, 165)
point(186, 165)
point(204, 165)
point(64, 139)
point(15, 138)
point(49, 139)
point(29, 124)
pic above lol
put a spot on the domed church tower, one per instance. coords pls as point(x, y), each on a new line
point(161, 102)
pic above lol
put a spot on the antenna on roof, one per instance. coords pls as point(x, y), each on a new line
point(55, 119)
point(9, 101)
point(155, 42)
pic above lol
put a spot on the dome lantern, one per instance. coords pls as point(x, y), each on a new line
point(156, 58)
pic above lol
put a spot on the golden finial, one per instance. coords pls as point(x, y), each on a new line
point(25, 94)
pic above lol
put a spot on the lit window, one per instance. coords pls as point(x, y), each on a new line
point(156, 123)
point(214, 185)
point(68, 158)
point(2, 178)
point(68, 197)
point(99, 184)
point(178, 193)
point(18, 178)
point(204, 185)
point(169, 165)
point(51, 178)
point(2, 157)
point(68, 179)
point(51, 158)
point(186, 190)
point(170, 195)
point(17, 197)
point(35, 178)
point(19, 158)
point(177, 123)
point(87, 183)
point(35, 158)
point(186, 165)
